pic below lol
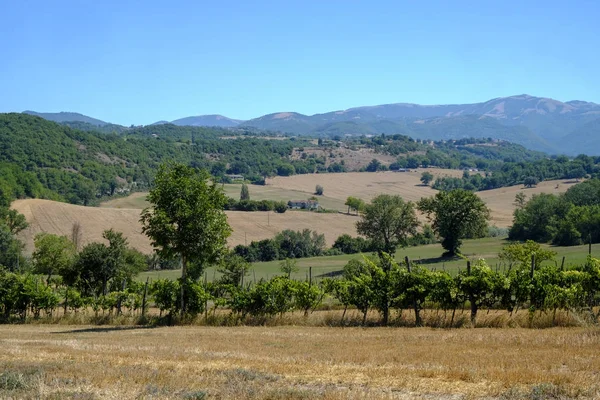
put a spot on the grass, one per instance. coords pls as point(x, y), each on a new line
point(297, 362)
point(428, 256)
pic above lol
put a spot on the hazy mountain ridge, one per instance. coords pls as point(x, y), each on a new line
point(64, 116)
point(536, 122)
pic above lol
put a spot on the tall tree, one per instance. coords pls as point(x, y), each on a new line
point(186, 219)
point(387, 221)
point(456, 215)
point(244, 193)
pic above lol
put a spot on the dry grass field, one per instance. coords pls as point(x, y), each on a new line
point(58, 218)
point(501, 201)
point(364, 185)
point(123, 214)
point(297, 362)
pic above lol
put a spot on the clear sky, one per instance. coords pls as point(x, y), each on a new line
point(137, 62)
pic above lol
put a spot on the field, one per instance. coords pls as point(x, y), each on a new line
point(338, 187)
point(296, 362)
point(58, 218)
point(428, 256)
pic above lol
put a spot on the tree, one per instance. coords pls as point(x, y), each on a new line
point(186, 219)
point(288, 266)
point(374, 165)
point(520, 200)
point(530, 181)
point(426, 178)
point(354, 203)
point(10, 249)
point(233, 269)
point(52, 254)
point(456, 215)
point(319, 190)
point(388, 221)
point(244, 193)
point(14, 220)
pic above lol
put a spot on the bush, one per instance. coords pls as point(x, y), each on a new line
point(319, 190)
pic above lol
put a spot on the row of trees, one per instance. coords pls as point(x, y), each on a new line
point(286, 244)
point(380, 284)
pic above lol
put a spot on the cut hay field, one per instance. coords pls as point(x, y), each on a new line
point(58, 218)
point(366, 185)
point(296, 362)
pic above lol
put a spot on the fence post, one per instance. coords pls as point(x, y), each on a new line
point(562, 265)
point(206, 297)
point(407, 263)
point(144, 298)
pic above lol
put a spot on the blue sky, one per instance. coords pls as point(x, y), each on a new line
point(137, 62)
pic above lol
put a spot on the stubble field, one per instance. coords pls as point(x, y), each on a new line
point(287, 362)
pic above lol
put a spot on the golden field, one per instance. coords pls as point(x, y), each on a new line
point(122, 214)
point(58, 218)
point(297, 362)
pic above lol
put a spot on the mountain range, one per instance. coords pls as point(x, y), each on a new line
point(538, 123)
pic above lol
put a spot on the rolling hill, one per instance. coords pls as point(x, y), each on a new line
point(58, 218)
point(207, 120)
point(63, 116)
point(538, 123)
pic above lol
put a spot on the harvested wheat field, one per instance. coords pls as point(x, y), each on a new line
point(502, 201)
point(58, 218)
point(88, 362)
point(364, 185)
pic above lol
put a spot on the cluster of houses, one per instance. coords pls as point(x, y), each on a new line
point(304, 205)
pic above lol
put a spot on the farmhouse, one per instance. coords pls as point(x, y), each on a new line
point(304, 204)
point(234, 177)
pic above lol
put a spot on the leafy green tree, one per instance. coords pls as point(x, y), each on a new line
point(52, 254)
point(388, 221)
point(244, 193)
point(477, 283)
point(355, 204)
point(530, 181)
point(520, 200)
point(233, 269)
point(521, 253)
point(426, 178)
point(14, 220)
point(307, 296)
point(536, 219)
point(456, 215)
point(186, 219)
point(584, 194)
point(10, 249)
point(288, 266)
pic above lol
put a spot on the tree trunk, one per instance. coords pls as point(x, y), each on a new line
point(183, 283)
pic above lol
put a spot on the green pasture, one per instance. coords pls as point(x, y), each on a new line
point(428, 256)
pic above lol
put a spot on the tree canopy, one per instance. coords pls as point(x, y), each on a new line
point(456, 215)
point(186, 218)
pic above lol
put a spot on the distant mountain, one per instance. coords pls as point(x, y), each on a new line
point(583, 140)
point(61, 117)
point(207, 120)
point(536, 122)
